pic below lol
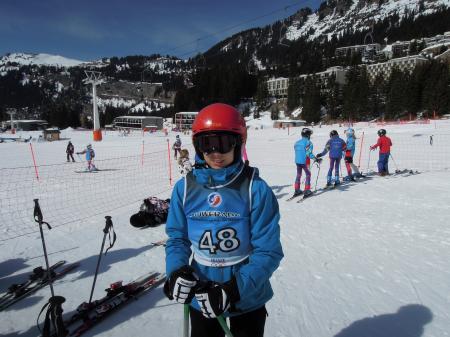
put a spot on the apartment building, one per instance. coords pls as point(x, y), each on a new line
point(403, 63)
point(278, 86)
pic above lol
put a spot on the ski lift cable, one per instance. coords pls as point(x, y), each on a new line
point(284, 8)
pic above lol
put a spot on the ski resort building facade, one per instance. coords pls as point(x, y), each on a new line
point(138, 122)
point(403, 64)
point(184, 120)
point(278, 87)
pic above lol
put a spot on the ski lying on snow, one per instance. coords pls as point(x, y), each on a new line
point(118, 295)
point(34, 277)
point(35, 286)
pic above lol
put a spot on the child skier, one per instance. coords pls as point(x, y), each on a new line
point(184, 164)
point(69, 151)
point(90, 154)
point(335, 145)
point(303, 153)
point(349, 153)
point(227, 218)
point(384, 143)
point(176, 146)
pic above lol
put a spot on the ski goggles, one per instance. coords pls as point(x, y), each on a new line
point(215, 142)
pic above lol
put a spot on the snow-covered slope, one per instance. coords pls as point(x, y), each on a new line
point(39, 59)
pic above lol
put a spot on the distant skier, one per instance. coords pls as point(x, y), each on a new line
point(349, 154)
point(384, 143)
point(69, 151)
point(184, 164)
point(176, 146)
point(303, 153)
point(90, 154)
point(335, 145)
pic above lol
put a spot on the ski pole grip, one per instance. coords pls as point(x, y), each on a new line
point(108, 224)
point(37, 211)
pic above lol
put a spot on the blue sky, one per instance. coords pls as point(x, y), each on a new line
point(89, 30)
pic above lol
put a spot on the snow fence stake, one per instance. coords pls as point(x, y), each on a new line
point(34, 163)
point(170, 162)
point(360, 150)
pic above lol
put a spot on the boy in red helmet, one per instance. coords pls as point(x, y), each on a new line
point(384, 143)
point(226, 217)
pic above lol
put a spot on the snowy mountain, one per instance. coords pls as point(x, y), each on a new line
point(336, 16)
point(39, 59)
point(336, 23)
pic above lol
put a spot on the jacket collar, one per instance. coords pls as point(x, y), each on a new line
point(213, 178)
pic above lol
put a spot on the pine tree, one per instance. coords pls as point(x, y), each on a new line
point(262, 94)
point(311, 101)
point(293, 99)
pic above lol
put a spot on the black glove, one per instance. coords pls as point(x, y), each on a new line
point(318, 160)
point(180, 285)
point(215, 298)
point(318, 155)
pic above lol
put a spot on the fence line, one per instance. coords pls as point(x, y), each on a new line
point(67, 193)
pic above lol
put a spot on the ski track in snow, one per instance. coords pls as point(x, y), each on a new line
point(353, 256)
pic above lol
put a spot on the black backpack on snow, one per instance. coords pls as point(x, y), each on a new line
point(153, 212)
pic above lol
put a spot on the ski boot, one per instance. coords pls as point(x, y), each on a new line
point(337, 182)
point(349, 178)
point(297, 193)
point(307, 194)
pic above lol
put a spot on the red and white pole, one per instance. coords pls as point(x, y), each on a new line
point(170, 163)
point(34, 162)
point(360, 150)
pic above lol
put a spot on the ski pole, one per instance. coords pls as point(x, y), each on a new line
point(368, 162)
point(186, 321)
point(317, 178)
point(39, 219)
point(396, 167)
point(224, 326)
point(106, 230)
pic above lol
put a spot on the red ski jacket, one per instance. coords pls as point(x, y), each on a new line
point(384, 143)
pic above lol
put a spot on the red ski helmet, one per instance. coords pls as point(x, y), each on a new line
point(220, 117)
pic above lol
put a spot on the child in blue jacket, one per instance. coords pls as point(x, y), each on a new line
point(303, 153)
point(224, 234)
point(352, 170)
point(335, 146)
point(90, 154)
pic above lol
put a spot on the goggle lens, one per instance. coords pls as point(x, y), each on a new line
point(221, 143)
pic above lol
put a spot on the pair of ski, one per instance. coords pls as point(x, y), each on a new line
point(117, 296)
point(38, 279)
point(303, 196)
point(313, 193)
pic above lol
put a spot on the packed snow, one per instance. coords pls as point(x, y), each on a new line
point(368, 259)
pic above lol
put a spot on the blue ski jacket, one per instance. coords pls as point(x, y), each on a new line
point(225, 223)
point(303, 149)
point(336, 146)
point(351, 144)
